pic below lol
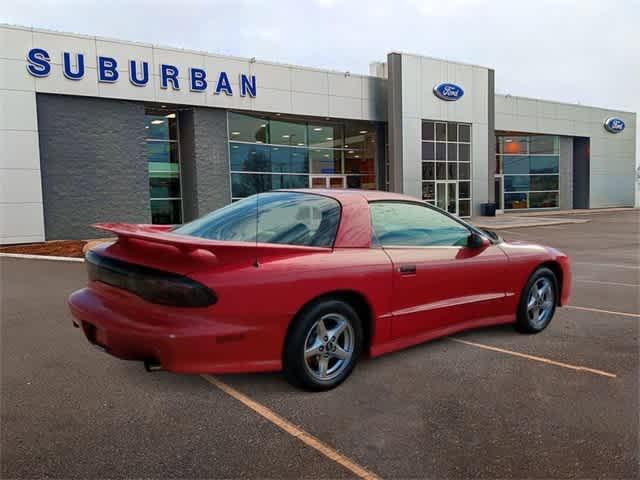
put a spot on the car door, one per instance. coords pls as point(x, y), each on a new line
point(438, 280)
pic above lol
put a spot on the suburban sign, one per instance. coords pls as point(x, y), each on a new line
point(108, 71)
point(614, 124)
point(448, 91)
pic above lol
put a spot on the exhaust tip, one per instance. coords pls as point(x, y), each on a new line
point(152, 366)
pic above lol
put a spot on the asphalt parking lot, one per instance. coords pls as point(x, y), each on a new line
point(484, 404)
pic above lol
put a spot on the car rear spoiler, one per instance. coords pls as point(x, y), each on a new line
point(160, 234)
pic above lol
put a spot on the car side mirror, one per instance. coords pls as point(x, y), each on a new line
point(476, 241)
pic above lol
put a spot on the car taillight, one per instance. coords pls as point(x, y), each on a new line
point(156, 286)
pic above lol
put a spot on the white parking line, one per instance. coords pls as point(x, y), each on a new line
point(612, 265)
point(535, 359)
point(292, 430)
point(597, 310)
point(601, 282)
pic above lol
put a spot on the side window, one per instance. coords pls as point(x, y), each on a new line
point(293, 218)
point(408, 224)
point(289, 218)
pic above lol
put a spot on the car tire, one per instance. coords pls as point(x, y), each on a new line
point(538, 302)
point(323, 345)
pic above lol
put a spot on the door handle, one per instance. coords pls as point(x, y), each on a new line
point(407, 269)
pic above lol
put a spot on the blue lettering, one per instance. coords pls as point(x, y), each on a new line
point(133, 73)
point(39, 65)
point(107, 69)
point(198, 82)
point(247, 85)
point(67, 66)
point(224, 84)
point(169, 73)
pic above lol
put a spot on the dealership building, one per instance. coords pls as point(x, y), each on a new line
point(95, 129)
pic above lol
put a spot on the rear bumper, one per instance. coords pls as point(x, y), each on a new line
point(185, 342)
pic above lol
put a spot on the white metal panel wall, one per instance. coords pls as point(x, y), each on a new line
point(21, 217)
point(419, 76)
point(612, 156)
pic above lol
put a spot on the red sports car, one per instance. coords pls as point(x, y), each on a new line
point(306, 281)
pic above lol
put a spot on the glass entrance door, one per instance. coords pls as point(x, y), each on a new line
point(447, 196)
point(327, 181)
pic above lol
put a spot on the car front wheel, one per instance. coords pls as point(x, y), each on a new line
point(323, 346)
point(538, 302)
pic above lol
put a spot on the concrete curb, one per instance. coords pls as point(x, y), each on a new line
point(41, 257)
point(529, 224)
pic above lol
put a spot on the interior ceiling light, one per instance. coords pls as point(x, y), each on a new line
point(170, 115)
point(301, 144)
point(285, 136)
point(235, 133)
point(157, 122)
point(263, 125)
point(363, 131)
point(329, 138)
point(350, 151)
point(317, 129)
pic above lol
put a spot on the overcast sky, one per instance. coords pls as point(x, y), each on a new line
point(585, 51)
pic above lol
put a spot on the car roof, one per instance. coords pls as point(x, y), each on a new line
point(339, 193)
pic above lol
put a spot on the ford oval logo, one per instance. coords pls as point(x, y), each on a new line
point(614, 124)
point(448, 92)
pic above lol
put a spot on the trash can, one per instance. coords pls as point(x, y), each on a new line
point(488, 209)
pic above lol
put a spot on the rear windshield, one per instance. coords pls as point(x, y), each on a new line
point(289, 218)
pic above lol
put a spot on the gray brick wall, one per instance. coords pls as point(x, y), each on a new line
point(94, 167)
point(205, 160)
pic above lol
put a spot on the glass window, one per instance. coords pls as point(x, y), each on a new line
point(407, 224)
point(452, 132)
point(428, 131)
point(464, 133)
point(325, 135)
point(513, 145)
point(287, 133)
point(452, 152)
point(325, 161)
point(530, 164)
point(282, 217)
point(428, 170)
point(452, 171)
point(163, 163)
point(346, 150)
point(428, 151)
point(362, 181)
point(441, 151)
point(540, 144)
point(516, 183)
point(297, 219)
point(289, 159)
point(250, 157)
point(428, 190)
point(245, 184)
point(248, 128)
point(513, 165)
point(160, 125)
point(513, 201)
point(544, 164)
point(543, 200)
point(464, 171)
point(166, 212)
point(465, 189)
point(543, 182)
point(464, 208)
point(464, 152)
point(441, 132)
point(441, 171)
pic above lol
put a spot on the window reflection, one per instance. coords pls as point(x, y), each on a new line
point(163, 160)
point(274, 144)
